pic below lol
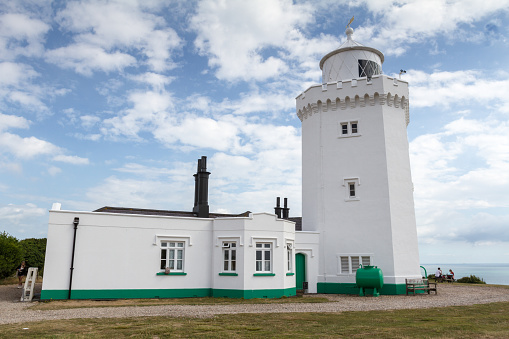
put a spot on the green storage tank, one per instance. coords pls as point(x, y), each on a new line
point(369, 277)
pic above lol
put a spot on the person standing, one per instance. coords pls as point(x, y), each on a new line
point(20, 272)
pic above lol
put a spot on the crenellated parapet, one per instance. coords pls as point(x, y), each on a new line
point(343, 95)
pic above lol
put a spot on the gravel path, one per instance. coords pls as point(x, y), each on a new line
point(14, 311)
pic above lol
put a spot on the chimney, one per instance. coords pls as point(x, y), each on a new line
point(201, 189)
point(278, 208)
point(286, 210)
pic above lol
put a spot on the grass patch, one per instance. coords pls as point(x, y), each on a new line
point(67, 304)
point(486, 321)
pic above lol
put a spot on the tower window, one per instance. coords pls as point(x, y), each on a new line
point(351, 187)
point(368, 68)
point(348, 129)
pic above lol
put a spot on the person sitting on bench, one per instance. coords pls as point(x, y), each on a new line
point(438, 275)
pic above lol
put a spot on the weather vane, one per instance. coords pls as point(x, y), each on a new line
point(351, 20)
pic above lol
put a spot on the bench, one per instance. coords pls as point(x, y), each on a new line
point(413, 285)
point(448, 278)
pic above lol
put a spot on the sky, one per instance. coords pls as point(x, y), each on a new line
point(111, 103)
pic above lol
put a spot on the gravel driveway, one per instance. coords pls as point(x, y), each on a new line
point(14, 311)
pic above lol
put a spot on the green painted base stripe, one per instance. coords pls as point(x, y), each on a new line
point(126, 294)
point(337, 288)
point(173, 293)
point(251, 294)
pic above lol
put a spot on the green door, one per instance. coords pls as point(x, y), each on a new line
point(300, 270)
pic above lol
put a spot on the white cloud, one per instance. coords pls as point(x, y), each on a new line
point(88, 121)
point(12, 121)
point(53, 170)
point(16, 74)
point(29, 147)
point(71, 159)
point(401, 23)
point(108, 34)
point(18, 86)
point(143, 193)
point(17, 213)
point(235, 36)
point(460, 87)
point(156, 81)
point(25, 148)
point(461, 175)
point(85, 59)
point(21, 35)
point(149, 109)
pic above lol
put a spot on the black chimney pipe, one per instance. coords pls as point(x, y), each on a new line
point(286, 210)
point(201, 189)
point(75, 223)
point(278, 208)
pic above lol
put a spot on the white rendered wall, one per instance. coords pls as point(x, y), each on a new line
point(307, 243)
point(115, 251)
point(261, 227)
point(381, 223)
point(120, 251)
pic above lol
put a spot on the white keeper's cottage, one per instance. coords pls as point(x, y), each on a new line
point(357, 198)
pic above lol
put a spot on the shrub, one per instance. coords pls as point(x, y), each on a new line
point(11, 254)
point(471, 280)
point(34, 251)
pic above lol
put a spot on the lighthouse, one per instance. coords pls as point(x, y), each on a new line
point(357, 190)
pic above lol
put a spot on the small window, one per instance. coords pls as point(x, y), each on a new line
point(366, 261)
point(289, 257)
point(172, 256)
point(349, 129)
point(351, 187)
point(263, 257)
point(229, 256)
point(354, 128)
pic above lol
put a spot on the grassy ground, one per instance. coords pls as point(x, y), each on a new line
point(66, 304)
point(476, 321)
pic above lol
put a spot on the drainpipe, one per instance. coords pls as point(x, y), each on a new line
point(75, 223)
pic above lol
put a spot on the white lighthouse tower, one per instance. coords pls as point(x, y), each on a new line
point(357, 189)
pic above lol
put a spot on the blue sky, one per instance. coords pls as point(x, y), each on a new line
point(112, 102)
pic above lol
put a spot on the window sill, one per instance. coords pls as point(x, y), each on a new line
point(264, 274)
point(290, 273)
point(171, 273)
point(228, 274)
point(349, 136)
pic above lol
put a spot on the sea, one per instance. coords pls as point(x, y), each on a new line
point(496, 274)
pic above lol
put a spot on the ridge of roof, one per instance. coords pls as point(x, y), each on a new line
point(146, 211)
